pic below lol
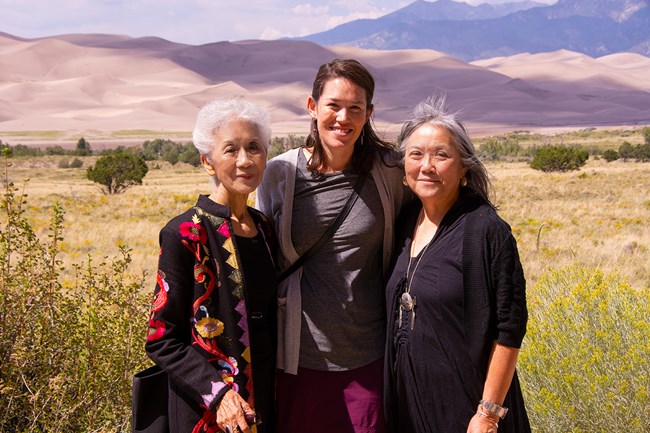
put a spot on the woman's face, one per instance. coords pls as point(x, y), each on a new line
point(433, 165)
point(238, 158)
point(340, 113)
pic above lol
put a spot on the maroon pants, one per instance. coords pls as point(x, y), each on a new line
point(331, 401)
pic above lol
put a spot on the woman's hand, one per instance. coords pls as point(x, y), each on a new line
point(480, 423)
point(231, 413)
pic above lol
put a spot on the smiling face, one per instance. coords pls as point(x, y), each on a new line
point(340, 112)
point(433, 166)
point(238, 158)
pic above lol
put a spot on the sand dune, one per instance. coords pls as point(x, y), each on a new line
point(112, 82)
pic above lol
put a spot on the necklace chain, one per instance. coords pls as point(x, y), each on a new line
point(409, 275)
point(408, 302)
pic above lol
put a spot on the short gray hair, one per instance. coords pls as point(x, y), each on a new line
point(433, 111)
point(220, 112)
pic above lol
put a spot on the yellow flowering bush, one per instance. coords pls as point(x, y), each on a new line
point(585, 363)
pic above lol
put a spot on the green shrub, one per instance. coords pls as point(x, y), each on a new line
point(55, 150)
point(585, 364)
point(610, 155)
point(496, 149)
point(83, 148)
point(68, 347)
point(22, 150)
point(118, 172)
point(559, 158)
point(63, 163)
point(76, 163)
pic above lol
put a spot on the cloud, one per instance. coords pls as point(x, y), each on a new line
point(310, 10)
point(190, 21)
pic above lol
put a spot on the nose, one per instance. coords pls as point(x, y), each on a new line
point(428, 163)
point(243, 158)
point(342, 114)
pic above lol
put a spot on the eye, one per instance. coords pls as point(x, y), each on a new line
point(254, 147)
point(414, 153)
point(229, 149)
point(441, 155)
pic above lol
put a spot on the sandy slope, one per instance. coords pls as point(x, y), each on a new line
point(109, 83)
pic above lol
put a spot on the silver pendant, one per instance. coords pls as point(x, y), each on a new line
point(407, 303)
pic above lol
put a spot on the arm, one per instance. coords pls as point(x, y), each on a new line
point(501, 368)
point(172, 337)
point(509, 287)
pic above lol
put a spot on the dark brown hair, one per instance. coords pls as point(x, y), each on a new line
point(368, 144)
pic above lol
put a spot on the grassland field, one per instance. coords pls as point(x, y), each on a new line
point(598, 216)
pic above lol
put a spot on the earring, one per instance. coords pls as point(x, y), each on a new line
point(463, 181)
point(404, 181)
point(361, 138)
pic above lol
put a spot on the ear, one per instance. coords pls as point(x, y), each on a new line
point(208, 166)
point(311, 106)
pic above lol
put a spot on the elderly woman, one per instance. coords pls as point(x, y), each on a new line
point(332, 342)
point(212, 323)
point(456, 297)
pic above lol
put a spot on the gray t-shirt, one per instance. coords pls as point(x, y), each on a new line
point(342, 293)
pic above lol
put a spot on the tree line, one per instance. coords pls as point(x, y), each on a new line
point(119, 168)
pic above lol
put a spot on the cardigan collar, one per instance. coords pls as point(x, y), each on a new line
point(209, 205)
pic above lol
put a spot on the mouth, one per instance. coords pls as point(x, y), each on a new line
point(340, 131)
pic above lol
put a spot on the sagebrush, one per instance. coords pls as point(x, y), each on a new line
point(585, 364)
point(67, 351)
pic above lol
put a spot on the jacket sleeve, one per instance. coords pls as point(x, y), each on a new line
point(169, 341)
point(509, 288)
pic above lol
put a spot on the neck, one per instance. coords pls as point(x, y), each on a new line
point(236, 202)
point(336, 160)
point(435, 212)
point(242, 221)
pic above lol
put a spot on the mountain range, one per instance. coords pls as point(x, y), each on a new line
point(87, 82)
point(592, 27)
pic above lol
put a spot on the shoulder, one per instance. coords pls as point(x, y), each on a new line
point(485, 223)
point(173, 224)
point(389, 165)
point(290, 156)
point(280, 165)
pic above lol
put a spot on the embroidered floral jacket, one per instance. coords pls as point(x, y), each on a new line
point(198, 327)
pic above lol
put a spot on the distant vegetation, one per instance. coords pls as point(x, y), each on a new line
point(559, 158)
point(118, 172)
point(150, 150)
point(566, 150)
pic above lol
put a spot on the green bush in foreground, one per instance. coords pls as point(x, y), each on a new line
point(585, 364)
point(559, 158)
point(68, 349)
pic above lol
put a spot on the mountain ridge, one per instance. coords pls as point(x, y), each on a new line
point(593, 27)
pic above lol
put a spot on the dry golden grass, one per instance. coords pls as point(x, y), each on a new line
point(597, 217)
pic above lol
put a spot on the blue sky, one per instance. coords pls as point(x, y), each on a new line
point(191, 21)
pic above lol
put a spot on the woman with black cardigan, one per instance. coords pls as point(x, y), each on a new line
point(456, 298)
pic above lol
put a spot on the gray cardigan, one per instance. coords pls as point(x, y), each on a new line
point(275, 199)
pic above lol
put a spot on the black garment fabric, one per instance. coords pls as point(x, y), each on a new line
point(200, 324)
point(435, 372)
point(262, 307)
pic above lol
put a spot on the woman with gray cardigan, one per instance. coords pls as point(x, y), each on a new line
point(331, 315)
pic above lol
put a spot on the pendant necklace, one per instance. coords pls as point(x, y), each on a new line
point(407, 302)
